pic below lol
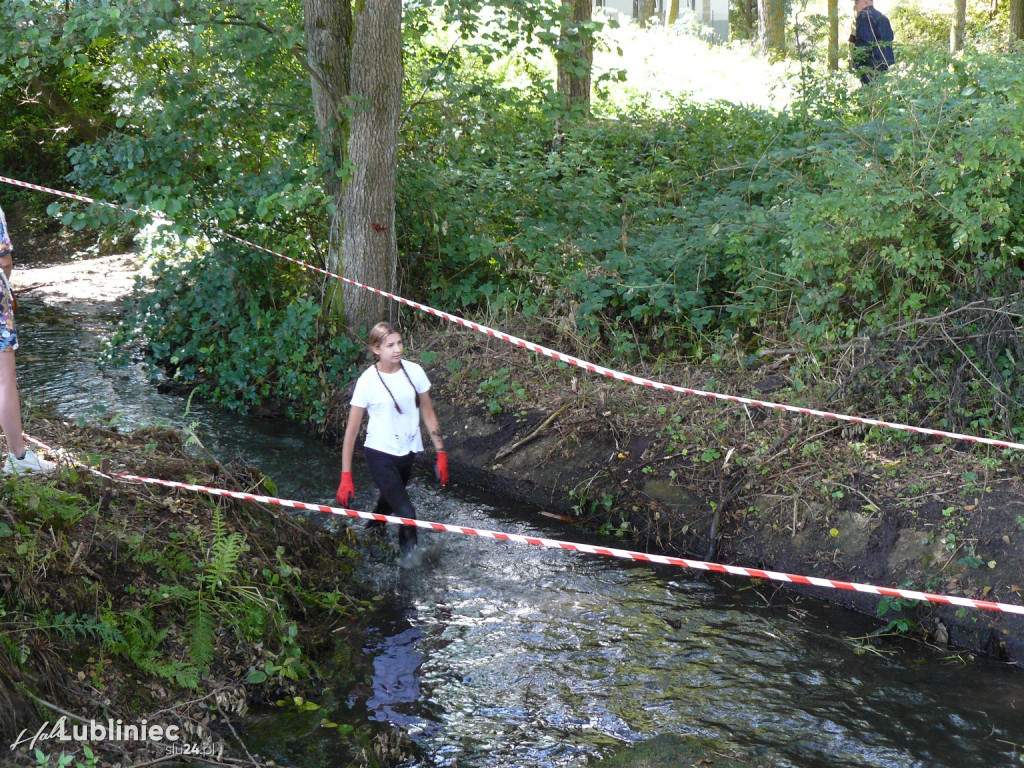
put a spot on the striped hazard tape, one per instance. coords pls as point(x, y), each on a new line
point(585, 365)
point(623, 554)
point(630, 379)
point(571, 546)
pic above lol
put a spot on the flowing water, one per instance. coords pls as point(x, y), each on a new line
point(500, 654)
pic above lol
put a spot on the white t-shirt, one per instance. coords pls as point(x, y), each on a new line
point(388, 430)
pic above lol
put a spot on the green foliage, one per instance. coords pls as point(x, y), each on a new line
point(43, 505)
point(65, 760)
point(892, 213)
point(28, 145)
point(71, 626)
point(896, 610)
point(500, 391)
point(225, 321)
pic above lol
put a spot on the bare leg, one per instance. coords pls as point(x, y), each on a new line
point(10, 404)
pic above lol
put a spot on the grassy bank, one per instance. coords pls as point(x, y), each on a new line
point(131, 603)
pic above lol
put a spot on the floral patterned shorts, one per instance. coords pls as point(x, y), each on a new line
point(8, 334)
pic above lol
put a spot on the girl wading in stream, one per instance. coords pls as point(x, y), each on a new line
point(394, 392)
point(19, 458)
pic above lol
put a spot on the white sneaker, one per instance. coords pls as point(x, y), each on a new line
point(28, 463)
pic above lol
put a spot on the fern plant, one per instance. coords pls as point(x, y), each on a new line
point(221, 565)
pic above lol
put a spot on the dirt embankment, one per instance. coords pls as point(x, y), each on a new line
point(67, 268)
point(707, 479)
point(711, 480)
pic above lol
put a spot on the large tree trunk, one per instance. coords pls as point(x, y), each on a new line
point(833, 35)
point(956, 30)
point(369, 249)
point(1016, 20)
point(328, 47)
point(771, 18)
point(576, 57)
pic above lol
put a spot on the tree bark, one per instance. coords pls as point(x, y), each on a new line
point(1016, 20)
point(369, 248)
point(833, 35)
point(328, 26)
point(771, 18)
point(956, 30)
point(576, 55)
point(672, 13)
point(771, 27)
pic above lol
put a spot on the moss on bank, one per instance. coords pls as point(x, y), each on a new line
point(127, 602)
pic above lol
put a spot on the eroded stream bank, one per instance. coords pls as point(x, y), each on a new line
point(470, 657)
point(711, 480)
point(681, 475)
point(131, 604)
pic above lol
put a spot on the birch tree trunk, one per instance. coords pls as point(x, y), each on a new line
point(956, 30)
point(369, 248)
point(328, 46)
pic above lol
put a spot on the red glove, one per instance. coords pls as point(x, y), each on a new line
point(441, 470)
point(346, 489)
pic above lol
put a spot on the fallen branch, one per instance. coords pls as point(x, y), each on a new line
point(505, 452)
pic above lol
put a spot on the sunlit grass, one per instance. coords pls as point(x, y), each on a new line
point(664, 64)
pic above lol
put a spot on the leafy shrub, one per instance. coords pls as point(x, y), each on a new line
point(237, 326)
point(892, 213)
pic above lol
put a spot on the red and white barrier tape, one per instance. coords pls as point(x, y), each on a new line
point(552, 543)
point(613, 374)
point(624, 554)
point(592, 367)
point(59, 193)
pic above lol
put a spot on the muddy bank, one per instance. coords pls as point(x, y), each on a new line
point(702, 478)
point(709, 480)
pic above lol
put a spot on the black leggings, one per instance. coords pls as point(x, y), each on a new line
point(391, 474)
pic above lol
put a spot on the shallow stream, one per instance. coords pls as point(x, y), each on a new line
point(501, 654)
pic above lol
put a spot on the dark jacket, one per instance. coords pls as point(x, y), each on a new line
point(873, 38)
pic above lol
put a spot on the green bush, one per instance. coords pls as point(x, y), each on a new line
point(892, 213)
point(239, 327)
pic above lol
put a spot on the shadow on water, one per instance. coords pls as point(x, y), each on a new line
point(502, 654)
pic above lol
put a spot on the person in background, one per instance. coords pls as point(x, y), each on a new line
point(20, 458)
point(872, 40)
point(395, 395)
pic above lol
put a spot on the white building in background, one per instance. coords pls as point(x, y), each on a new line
point(711, 13)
